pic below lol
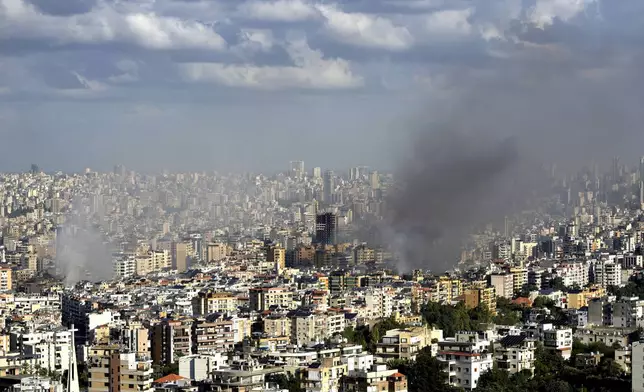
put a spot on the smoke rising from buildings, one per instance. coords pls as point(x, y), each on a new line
point(538, 104)
point(81, 253)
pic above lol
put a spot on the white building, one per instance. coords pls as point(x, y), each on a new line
point(559, 341)
point(466, 357)
point(637, 360)
point(38, 384)
point(49, 355)
point(573, 274)
point(199, 367)
point(608, 273)
point(124, 267)
point(515, 353)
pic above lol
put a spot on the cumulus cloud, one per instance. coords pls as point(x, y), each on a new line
point(278, 10)
point(449, 23)
point(20, 19)
point(310, 70)
point(545, 12)
point(365, 30)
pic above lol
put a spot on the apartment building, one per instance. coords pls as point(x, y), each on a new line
point(216, 252)
point(446, 290)
point(575, 273)
point(213, 337)
point(169, 338)
point(111, 370)
point(481, 296)
point(405, 343)
point(6, 279)
point(503, 285)
point(637, 359)
point(515, 353)
point(208, 302)
point(375, 378)
point(465, 358)
point(276, 326)
point(608, 273)
point(262, 298)
point(519, 278)
point(558, 340)
point(324, 376)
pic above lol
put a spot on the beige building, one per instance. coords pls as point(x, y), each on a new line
point(214, 302)
point(110, 370)
point(136, 338)
point(325, 376)
point(277, 326)
point(503, 285)
point(519, 278)
point(216, 252)
point(181, 252)
point(277, 255)
point(152, 261)
point(406, 343)
point(262, 298)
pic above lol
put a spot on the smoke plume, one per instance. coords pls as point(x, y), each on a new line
point(81, 252)
point(531, 106)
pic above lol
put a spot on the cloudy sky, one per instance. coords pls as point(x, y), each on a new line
point(231, 84)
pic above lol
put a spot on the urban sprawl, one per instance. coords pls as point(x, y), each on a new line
point(124, 282)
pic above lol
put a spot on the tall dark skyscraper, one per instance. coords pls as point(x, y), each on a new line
point(326, 228)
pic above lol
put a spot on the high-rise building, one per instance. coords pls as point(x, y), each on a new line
point(328, 185)
point(297, 169)
point(317, 172)
point(216, 252)
point(374, 179)
point(637, 358)
point(277, 255)
point(503, 285)
point(326, 228)
point(180, 256)
point(111, 370)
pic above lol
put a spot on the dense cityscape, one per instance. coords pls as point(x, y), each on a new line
point(321, 196)
point(123, 281)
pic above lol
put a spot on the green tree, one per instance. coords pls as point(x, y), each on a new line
point(425, 374)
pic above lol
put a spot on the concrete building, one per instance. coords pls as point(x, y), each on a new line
point(637, 358)
point(465, 357)
point(503, 285)
point(405, 343)
point(558, 340)
point(200, 367)
point(110, 370)
point(208, 302)
point(515, 353)
point(262, 298)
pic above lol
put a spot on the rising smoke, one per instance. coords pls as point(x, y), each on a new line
point(81, 251)
point(534, 105)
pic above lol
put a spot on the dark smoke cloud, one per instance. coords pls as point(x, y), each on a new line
point(479, 158)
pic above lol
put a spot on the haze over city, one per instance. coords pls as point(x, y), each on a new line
point(321, 195)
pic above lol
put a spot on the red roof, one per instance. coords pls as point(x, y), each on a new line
point(169, 378)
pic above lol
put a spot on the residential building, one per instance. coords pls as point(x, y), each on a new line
point(208, 302)
point(503, 285)
point(405, 343)
point(465, 357)
point(515, 353)
point(558, 340)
